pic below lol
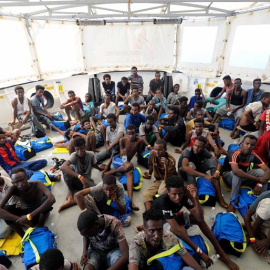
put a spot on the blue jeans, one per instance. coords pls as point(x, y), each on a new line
point(30, 166)
point(47, 121)
point(97, 260)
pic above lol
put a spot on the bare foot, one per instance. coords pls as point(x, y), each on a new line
point(70, 202)
point(222, 203)
point(236, 136)
point(134, 207)
point(146, 175)
point(230, 264)
point(231, 134)
point(230, 208)
point(139, 228)
point(47, 131)
point(57, 178)
point(103, 166)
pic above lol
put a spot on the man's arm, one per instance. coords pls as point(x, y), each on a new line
point(47, 204)
point(261, 129)
point(85, 256)
point(66, 169)
point(79, 197)
point(26, 116)
point(243, 102)
point(190, 261)
point(3, 213)
point(120, 135)
point(220, 94)
point(117, 111)
point(228, 99)
point(133, 266)
point(203, 97)
point(122, 262)
point(189, 170)
point(241, 174)
point(249, 116)
point(119, 93)
point(128, 98)
point(14, 106)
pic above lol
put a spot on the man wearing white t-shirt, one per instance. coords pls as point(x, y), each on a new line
point(108, 107)
point(114, 132)
point(250, 117)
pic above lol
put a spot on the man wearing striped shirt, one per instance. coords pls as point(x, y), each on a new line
point(244, 168)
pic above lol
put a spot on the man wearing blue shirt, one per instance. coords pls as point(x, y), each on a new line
point(255, 93)
point(134, 117)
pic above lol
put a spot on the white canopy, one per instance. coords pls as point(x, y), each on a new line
point(124, 10)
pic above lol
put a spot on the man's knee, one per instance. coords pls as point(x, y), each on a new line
point(128, 167)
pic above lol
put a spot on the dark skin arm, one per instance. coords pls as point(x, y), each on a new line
point(14, 106)
point(28, 112)
point(79, 197)
point(262, 127)
point(122, 262)
point(191, 171)
point(243, 102)
point(46, 205)
point(85, 256)
point(121, 135)
point(219, 96)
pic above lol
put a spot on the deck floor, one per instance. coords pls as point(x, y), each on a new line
point(69, 241)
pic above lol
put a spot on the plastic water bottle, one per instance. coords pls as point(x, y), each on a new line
point(212, 214)
point(124, 158)
point(215, 257)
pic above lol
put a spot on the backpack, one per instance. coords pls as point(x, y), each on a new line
point(234, 147)
point(38, 133)
point(42, 176)
point(137, 179)
point(117, 162)
point(206, 192)
point(4, 260)
point(143, 159)
point(62, 125)
point(199, 242)
point(34, 243)
point(229, 233)
point(24, 152)
point(166, 260)
point(227, 124)
point(41, 144)
point(116, 212)
point(245, 199)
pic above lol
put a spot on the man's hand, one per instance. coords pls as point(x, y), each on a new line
point(113, 196)
point(206, 176)
point(164, 161)
point(257, 190)
point(216, 151)
point(263, 246)
point(75, 266)
point(262, 180)
point(212, 100)
point(192, 191)
point(62, 106)
point(123, 152)
point(24, 221)
point(206, 259)
point(85, 258)
point(84, 182)
point(256, 124)
point(48, 115)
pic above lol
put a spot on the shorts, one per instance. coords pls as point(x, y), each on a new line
point(182, 218)
point(106, 261)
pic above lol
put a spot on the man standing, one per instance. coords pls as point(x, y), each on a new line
point(40, 111)
point(244, 167)
point(154, 84)
point(136, 80)
point(73, 106)
point(162, 164)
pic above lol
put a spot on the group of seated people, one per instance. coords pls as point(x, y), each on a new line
point(105, 207)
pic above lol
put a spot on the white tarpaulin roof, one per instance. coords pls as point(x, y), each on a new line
point(124, 10)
